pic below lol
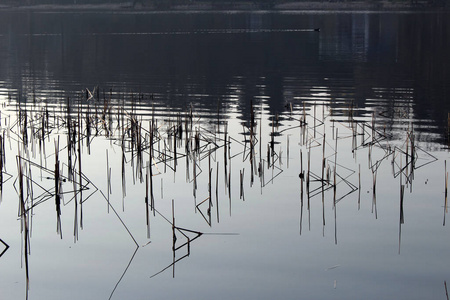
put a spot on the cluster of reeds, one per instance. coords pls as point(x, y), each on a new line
point(163, 144)
point(155, 144)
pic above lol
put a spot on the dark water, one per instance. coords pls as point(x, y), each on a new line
point(383, 62)
point(363, 100)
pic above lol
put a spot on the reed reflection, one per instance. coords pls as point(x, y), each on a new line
point(54, 140)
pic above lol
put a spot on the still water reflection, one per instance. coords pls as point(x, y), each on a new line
point(384, 62)
point(224, 155)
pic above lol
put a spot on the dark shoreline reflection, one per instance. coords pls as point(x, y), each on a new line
point(393, 64)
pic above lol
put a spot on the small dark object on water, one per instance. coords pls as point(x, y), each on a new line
point(317, 29)
point(51, 178)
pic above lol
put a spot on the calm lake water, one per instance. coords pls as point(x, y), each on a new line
point(224, 155)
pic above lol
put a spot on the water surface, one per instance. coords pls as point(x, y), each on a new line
point(364, 99)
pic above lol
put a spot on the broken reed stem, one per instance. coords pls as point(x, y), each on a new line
point(401, 218)
point(287, 150)
point(194, 169)
point(323, 208)
point(209, 177)
point(445, 194)
point(309, 170)
point(272, 142)
point(174, 238)
point(315, 119)
point(108, 179)
point(323, 158)
point(242, 184)
point(57, 190)
point(373, 127)
point(334, 206)
point(175, 150)
point(152, 199)
point(301, 190)
point(336, 148)
point(260, 141)
point(359, 186)
point(147, 215)
point(80, 180)
point(252, 142)
point(229, 185)
point(124, 186)
point(374, 181)
point(23, 217)
point(302, 175)
point(217, 191)
point(446, 292)
point(1, 163)
point(335, 187)
point(446, 178)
